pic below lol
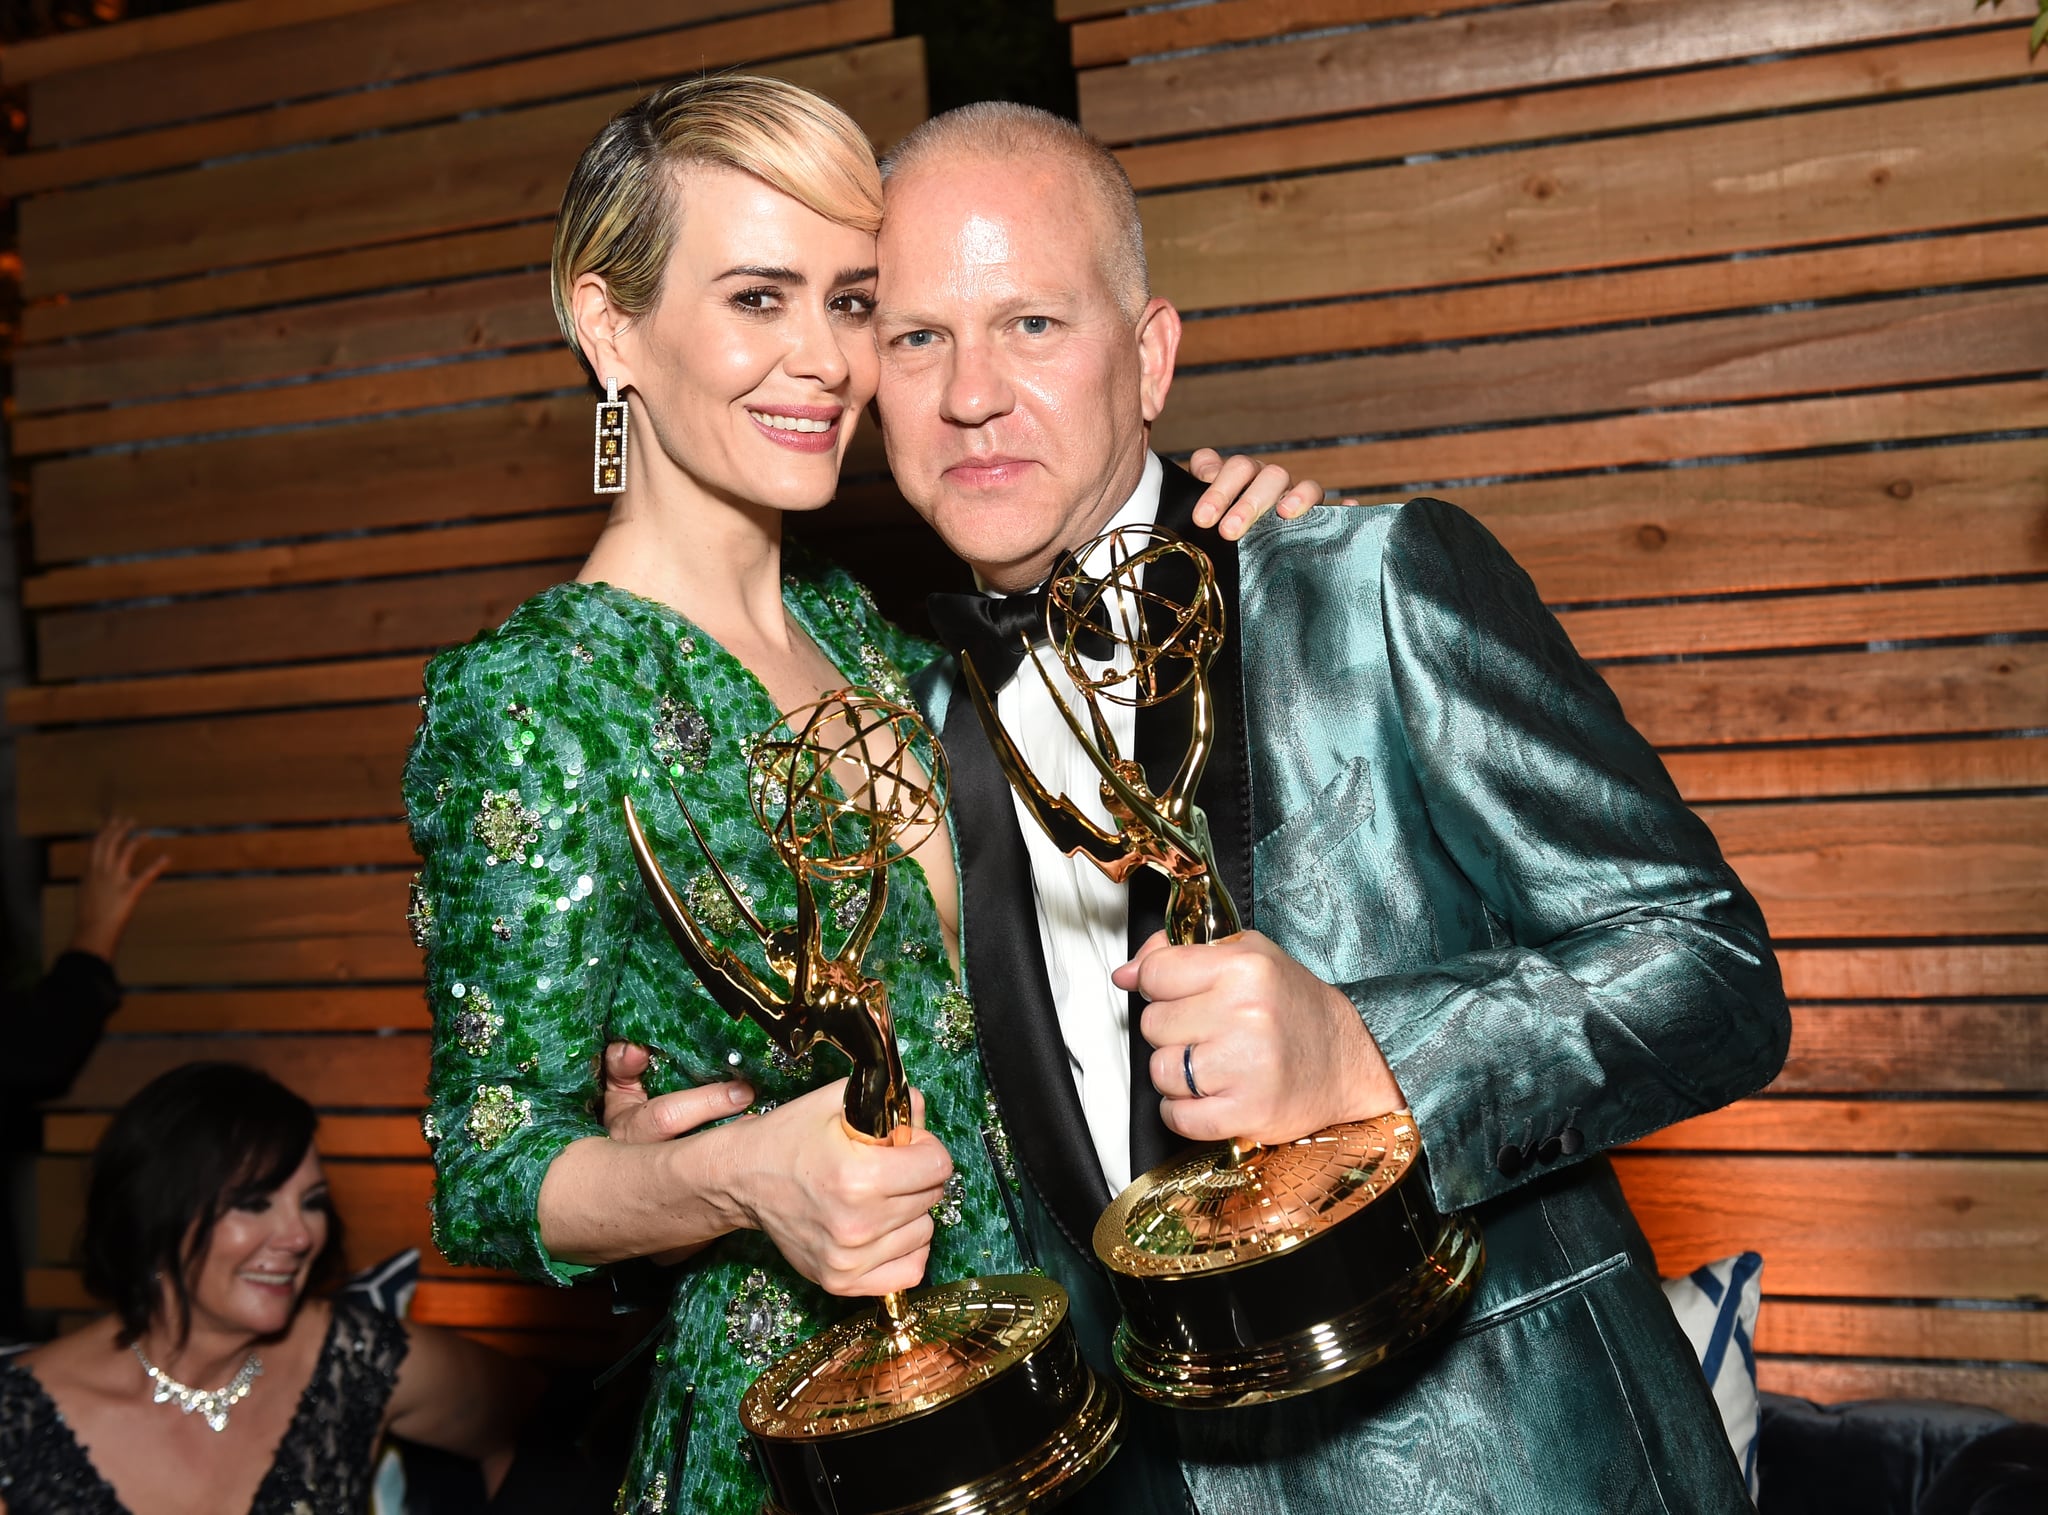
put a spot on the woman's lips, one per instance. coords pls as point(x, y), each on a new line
point(804, 428)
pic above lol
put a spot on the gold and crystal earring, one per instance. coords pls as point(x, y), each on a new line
point(610, 468)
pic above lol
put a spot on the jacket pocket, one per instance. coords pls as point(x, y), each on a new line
point(1308, 878)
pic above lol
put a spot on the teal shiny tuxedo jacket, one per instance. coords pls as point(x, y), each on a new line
point(1435, 804)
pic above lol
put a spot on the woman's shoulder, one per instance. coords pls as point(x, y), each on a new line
point(540, 636)
point(868, 633)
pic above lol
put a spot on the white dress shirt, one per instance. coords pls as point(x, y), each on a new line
point(1083, 918)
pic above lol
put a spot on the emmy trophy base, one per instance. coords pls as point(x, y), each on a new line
point(979, 1403)
point(1300, 1266)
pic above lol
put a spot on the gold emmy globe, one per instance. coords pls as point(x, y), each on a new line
point(966, 1398)
point(1246, 1273)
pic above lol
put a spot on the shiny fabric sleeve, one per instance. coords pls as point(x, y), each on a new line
point(522, 944)
point(1633, 985)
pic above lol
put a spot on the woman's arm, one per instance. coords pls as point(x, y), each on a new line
point(460, 1397)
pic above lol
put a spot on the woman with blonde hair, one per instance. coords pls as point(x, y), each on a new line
point(714, 268)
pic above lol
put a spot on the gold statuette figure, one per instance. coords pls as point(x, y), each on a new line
point(1246, 1273)
point(967, 1398)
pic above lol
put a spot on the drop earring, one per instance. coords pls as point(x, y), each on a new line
point(610, 464)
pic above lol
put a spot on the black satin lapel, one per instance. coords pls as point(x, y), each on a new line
point(1224, 792)
point(1022, 1047)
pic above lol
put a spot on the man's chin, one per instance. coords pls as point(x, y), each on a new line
point(994, 538)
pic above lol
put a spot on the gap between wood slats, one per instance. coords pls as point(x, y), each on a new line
point(299, 849)
point(262, 929)
point(1509, 49)
point(1611, 107)
point(2017, 1392)
point(1928, 1228)
point(1850, 173)
point(1406, 465)
point(45, 57)
point(461, 255)
point(1810, 1328)
point(1964, 971)
point(350, 58)
point(1863, 345)
point(1177, 27)
point(1916, 1047)
point(504, 167)
point(752, 40)
point(1828, 1125)
point(1615, 297)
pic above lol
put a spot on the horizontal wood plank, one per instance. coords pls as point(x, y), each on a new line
point(460, 255)
point(1643, 294)
point(1811, 1328)
point(262, 929)
point(1946, 972)
point(297, 849)
point(1772, 773)
point(396, 1136)
point(97, 47)
point(399, 1008)
point(1908, 1048)
point(1959, 865)
point(333, 1072)
point(1173, 28)
point(1443, 462)
point(1861, 345)
point(1923, 1228)
point(1577, 110)
point(498, 168)
point(1859, 171)
point(363, 680)
point(1833, 695)
point(297, 625)
point(1846, 1125)
point(327, 765)
point(1510, 49)
point(2019, 1392)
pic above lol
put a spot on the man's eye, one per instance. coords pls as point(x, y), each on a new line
point(1035, 326)
point(916, 339)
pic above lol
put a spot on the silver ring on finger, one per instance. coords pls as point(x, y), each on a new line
point(1187, 1068)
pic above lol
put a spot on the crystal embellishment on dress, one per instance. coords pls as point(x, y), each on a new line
point(682, 737)
point(505, 825)
point(952, 1202)
point(712, 905)
point(211, 1404)
point(880, 675)
point(419, 912)
point(430, 1127)
point(953, 1021)
point(655, 1500)
point(476, 1024)
point(996, 1137)
point(849, 899)
point(495, 1114)
point(761, 1320)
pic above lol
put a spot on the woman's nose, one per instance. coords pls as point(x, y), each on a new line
point(820, 352)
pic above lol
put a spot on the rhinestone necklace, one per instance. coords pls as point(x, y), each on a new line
point(214, 1404)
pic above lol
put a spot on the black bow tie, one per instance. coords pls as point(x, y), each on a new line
point(993, 628)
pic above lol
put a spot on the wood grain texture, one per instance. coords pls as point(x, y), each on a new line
point(1845, 1125)
point(2022, 1393)
point(402, 1008)
point(492, 169)
point(1876, 768)
point(1448, 315)
point(1893, 342)
point(1955, 866)
point(45, 57)
point(1908, 1048)
point(1172, 29)
point(322, 765)
point(363, 680)
point(1828, 695)
point(1868, 170)
point(1920, 1228)
point(296, 625)
point(330, 1071)
point(1511, 49)
point(332, 928)
point(339, 1135)
point(1808, 620)
point(1811, 1328)
point(296, 849)
point(1967, 971)
point(459, 255)
point(1573, 110)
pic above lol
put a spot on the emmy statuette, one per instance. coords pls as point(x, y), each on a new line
point(965, 1398)
point(1246, 1273)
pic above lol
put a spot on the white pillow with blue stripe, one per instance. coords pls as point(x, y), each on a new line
point(1716, 1305)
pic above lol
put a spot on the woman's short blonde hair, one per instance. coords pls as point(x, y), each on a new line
point(620, 212)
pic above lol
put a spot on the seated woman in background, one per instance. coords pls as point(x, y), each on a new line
point(206, 1224)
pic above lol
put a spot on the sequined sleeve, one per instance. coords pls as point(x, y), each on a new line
point(522, 943)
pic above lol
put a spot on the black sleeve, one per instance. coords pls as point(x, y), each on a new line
point(50, 1030)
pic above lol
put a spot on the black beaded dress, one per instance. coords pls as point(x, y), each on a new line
point(322, 1466)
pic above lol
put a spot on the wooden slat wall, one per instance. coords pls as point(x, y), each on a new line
point(1732, 322)
point(294, 413)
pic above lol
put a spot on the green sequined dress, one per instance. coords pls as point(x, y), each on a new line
point(542, 945)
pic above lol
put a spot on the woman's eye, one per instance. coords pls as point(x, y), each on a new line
point(854, 303)
point(318, 1202)
point(1035, 326)
point(254, 1206)
point(757, 299)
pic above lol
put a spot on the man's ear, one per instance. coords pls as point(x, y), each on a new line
point(1158, 345)
point(603, 331)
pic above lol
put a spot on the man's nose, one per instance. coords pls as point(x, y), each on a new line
point(977, 390)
